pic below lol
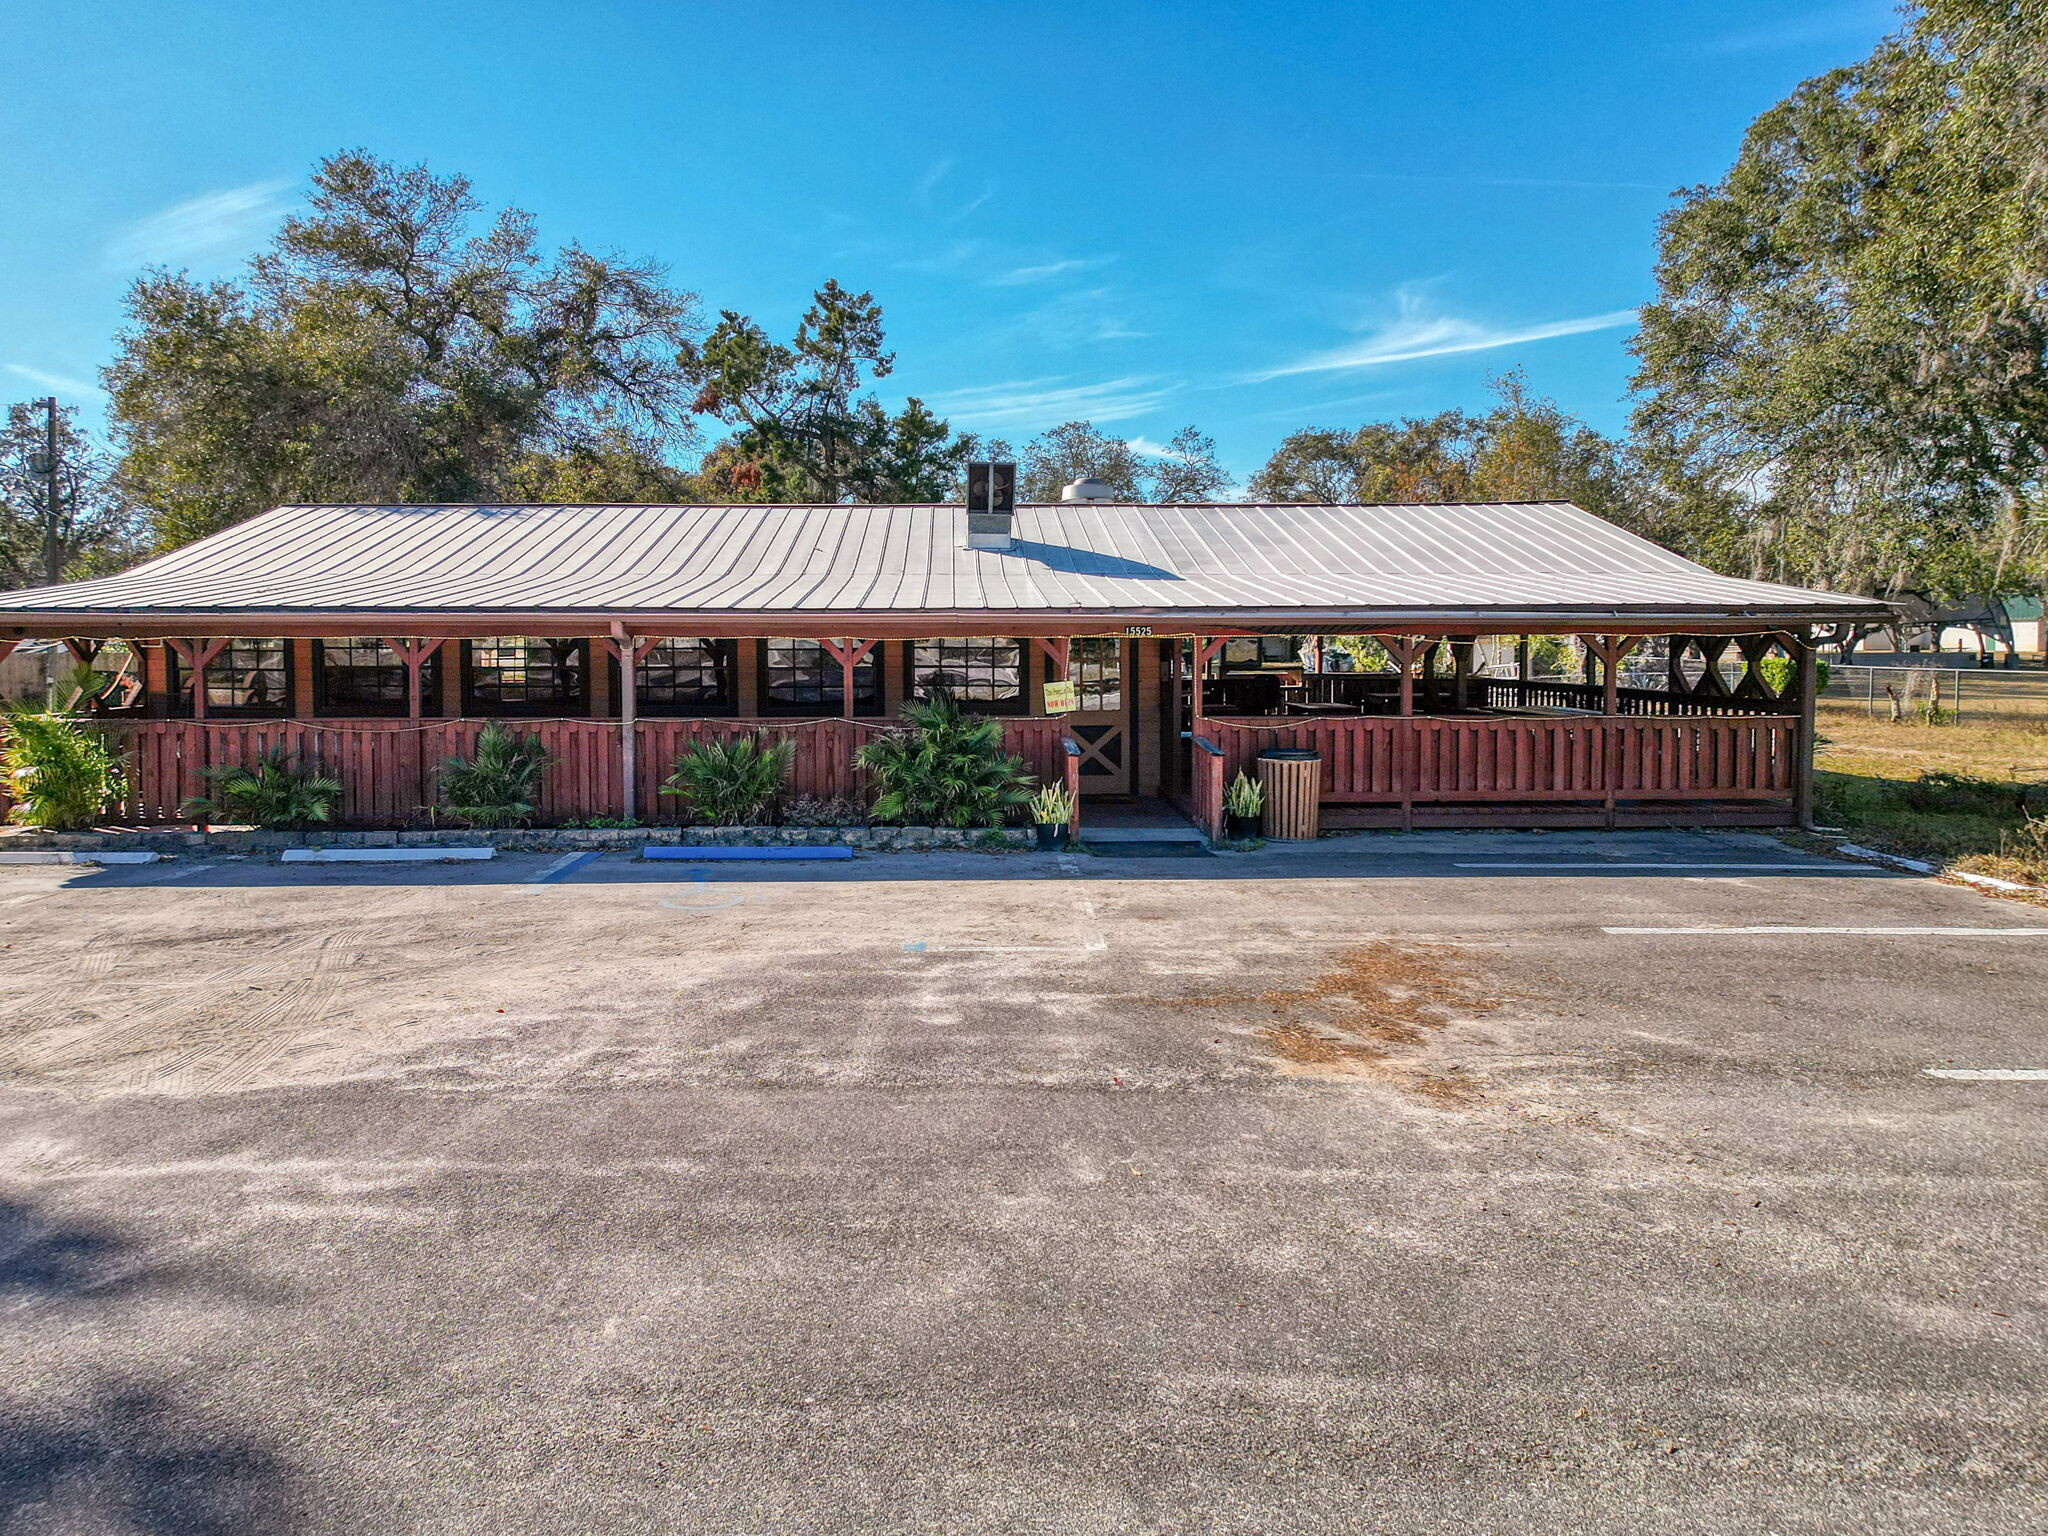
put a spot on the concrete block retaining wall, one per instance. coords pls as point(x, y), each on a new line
point(535, 840)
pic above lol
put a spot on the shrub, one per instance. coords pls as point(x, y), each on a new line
point(948, 770)
point(1780, 673)
point(500, 785)
point(807, 812)
point(277, 794)
point(59, 771)
point(730, 783)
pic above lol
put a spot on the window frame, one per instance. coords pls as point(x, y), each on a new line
point(477, 706)
point(1020, 705)
point(1083, 690)
point(325, 706)
point(283, 708)
point(727, 661)
point(766, 703)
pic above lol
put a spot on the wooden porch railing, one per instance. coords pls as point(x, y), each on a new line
point(388, 768)
point(1473, 758)
point(1513, 693)
point(1210, 778)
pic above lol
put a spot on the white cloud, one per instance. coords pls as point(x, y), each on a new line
point(59, 383)
point(1040, 403)
point(931, 185)
point(1153, 450)
point(218, 223)
point(1417, 332)
point(1079, 317)
point(1017, 277)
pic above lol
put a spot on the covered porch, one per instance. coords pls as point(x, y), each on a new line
point(1720, 735)
point(1453, 730)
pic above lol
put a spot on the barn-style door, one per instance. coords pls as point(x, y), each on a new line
point(1101, 721)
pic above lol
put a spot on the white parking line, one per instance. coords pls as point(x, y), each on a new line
point(1991, 1074)
point(562, 866)
point(175, 872)
point(1833, 867)
point(1946, 933)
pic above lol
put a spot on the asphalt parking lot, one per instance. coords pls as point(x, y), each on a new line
point(1442, 1183)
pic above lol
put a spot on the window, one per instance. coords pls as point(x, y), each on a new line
point(360, 676)
point(987, 674)
point(1097, 670)
point(686, 677)
point(246, 677)
point(517, 675)
point(801, 677)
point(1257, 652)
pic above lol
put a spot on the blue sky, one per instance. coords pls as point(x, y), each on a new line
point(1249, 217)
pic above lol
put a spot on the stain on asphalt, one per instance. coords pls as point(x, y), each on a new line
point(1370, 1012)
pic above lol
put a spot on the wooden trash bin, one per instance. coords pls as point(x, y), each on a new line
point(1292, 778)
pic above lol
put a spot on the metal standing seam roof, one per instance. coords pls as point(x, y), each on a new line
point(1083, 559)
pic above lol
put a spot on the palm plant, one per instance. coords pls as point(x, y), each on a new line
point(948, 770)
point(730, 783)
point(500, 784)
point(59, 771)
point(276, 794)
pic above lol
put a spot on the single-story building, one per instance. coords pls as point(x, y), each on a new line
point(376, 640)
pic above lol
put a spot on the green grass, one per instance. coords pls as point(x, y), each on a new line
point(1972, 794)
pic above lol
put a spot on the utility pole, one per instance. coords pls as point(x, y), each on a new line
point(46, 465)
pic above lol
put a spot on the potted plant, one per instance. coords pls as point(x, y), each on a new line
point(1052, 814)
point(1242, 803)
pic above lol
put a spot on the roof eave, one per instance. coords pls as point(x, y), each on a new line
point(914, 623)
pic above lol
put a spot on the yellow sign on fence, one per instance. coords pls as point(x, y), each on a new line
point(1059, 698)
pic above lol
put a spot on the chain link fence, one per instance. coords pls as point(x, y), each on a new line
point(1936, 695)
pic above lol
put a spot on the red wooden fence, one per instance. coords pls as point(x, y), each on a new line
point(388, 768)
point(1379, 760)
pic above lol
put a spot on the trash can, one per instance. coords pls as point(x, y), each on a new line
point(1292, 778)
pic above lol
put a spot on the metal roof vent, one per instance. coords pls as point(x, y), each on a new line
point(991, 504)
point(1088, 488)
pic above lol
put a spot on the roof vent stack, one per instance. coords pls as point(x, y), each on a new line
point(1088, 488)
point(991, 504)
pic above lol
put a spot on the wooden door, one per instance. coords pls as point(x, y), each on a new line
point(1104, 684)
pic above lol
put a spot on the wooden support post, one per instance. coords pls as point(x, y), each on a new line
point(195, 654)
point(1403, 650)
point(1205, 652)
point(629, 650)
point(1611, 650)
point(1803, 737)
point(414, 654)
point(1057, 654)
point(849, 654)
